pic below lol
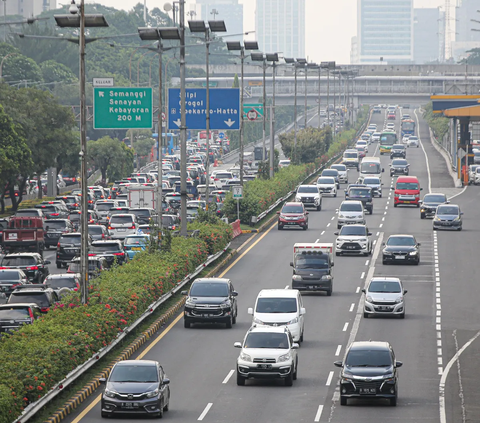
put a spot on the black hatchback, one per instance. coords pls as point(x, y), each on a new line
point(398, 150)
point(112, 250)
point(37, 294)
point(14, 316)
point(68, 247)
point(11, 278)
point(54, 228)
point(210, 300)
point(32, 264)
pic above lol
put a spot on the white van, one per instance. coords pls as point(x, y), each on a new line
point(371, 166)
point(280, 307)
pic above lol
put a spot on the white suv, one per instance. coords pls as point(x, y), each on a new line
point(220, 178)
point(327, 185)
point(342, 172)
point(121, 225)
point(353, 239)
point(267, 352)
point(309, 195)
point(351, 212)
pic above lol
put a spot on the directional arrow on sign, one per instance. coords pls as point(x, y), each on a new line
point(177, 122)
point(229, 122)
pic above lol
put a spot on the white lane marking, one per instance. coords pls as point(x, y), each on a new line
point(328, 225)
point(204, 413)
point(386, 207)
point(317, 240)
point(461, 192)
point(337, 352)
point(329, 379)
point(357, 290)
point(378, 233)
point(319, 413)
point(374, 241)
point(333, 217)
point(322, 232)
point(227, 378)
point(383, 219)
point(381, 224)
point(288, 286)
point(363, 275)
point(425, 153)
point(384, 212)
point(345, 327)
point(366, 263)
point(352, 307)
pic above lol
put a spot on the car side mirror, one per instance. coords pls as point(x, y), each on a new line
point(165, 381)
point(278, 212)
point(250, 310)
point(383, 243)
point(184, 292)
point(338, 363)
point(383, 170)
point(335, 233)
point(421, 189)
point(237, 345)
point(393, 189)
point(47, 262)
point(307, 213)
point(398, 363)
point(102, 380)
point(405, 291)
point(419, 244)
point(364, 291)
point(461, 213)
point(295, 346)
point(369, 234)
point(336, 210)
point(291, 263)
point(303, 311)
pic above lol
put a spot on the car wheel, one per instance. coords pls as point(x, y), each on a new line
point(337, 253)
point(384, 261)
point(319, 207)
point(305, 227)
point(301, 337)
point(59, 265)
point(289, 378)
point(343, 400)
point(393, 401)
point(459, 229)
point(186, 324)
point(402, 316)
point(365, 315)
point(422, 215)
point(279, 227)
point(240, 380)
point(334, 195)
point(371, 211)
point(339, 226)
point(234, 318)
point(105, 415)
point(296, 370)
point(395, 205)
point(160, 413)
point(229, 322)
point(329, 292)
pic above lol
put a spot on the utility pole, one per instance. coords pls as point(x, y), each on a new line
point(183, 125)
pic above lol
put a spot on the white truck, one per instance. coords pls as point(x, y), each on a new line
point(313, 267)
point(141, 196)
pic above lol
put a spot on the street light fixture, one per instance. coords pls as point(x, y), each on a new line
point(272, 57)
point(259, 57)
point(213, 26)
point(236, 46)
point(78, 19)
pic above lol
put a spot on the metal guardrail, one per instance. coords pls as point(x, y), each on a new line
point(34, 407)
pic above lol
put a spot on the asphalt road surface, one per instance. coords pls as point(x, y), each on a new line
point(442, 316)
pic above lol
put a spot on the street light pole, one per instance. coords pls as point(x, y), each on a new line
point(242, 58)
point(160, 147)
point(295, 116)
point(319, 95)
point(264, 109)
point(183, 127)
point(272, 125)
point(305, 113)
point(334, 107)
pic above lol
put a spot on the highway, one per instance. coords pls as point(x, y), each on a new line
point(441, 316)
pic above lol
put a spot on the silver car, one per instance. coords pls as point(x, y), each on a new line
point(448, 216)
point(121, 225)
point(350, 213)
point(384, 296)
point(373, 182)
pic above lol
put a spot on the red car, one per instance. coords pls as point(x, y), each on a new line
point(293, 215)
point(407, 191)
point(361, 152)
point(391, 116)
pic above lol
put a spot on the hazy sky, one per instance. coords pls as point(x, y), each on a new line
point(330, 24)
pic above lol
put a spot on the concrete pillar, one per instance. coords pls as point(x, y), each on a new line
point(51, 182)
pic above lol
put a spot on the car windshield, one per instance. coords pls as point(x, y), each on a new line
point(292, 209)
point(61, 282)
point(121, 219)
point(401, 240)
point(398, 147)
point(311, 261)
point(384, 286)
point(18, 261)
point(325, 181)
point(134, 373)
point(105, 247)
point(27, 213)
point(14, 314)
point(350, 155)
point(48, 209)
point(142, 213)
point(114, 211)
point(135, 240)
point(266, 340)
point(10, 275)
point(39, 298)
point(223, 175)
point(339, 167)
point(104, 206)
point(95, 230)
point(310, 190)
point(371, 181)
point(407, 185)
point(432, 198)
point(209, 289)
point(353, 230)
point(74, 217)
point(399, 163)
point(351, 207)
point(368, 358)
point(167, 221)
point(76, 240)
point(276, 305)
point(74, 266)
point(370, 168)
point(359, 191)
point(330, 172)
point(192, 211)
point(445, 210)
point(55, 225)
point(413, 138)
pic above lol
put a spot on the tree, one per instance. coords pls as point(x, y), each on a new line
point(143, 148)
point(311, 144)
point(53, 71)
point(235, 84)
point(109, 156)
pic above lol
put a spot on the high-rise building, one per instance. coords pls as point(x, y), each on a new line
point(280, 27)
point(385, 30)
point(427, 31)
point(354, 51)
point(226, 10)
point(26, 8)
point(467, 35)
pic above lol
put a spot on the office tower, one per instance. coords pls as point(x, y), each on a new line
point(226, 10)
point(427, 30)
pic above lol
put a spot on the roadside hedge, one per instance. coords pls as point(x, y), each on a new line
point(38, 356)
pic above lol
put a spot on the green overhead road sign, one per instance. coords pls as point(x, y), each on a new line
point(253, 112)
point(122, 108)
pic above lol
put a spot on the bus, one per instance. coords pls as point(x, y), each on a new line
point(371, 166)
point(408, 127)
point(387, 139)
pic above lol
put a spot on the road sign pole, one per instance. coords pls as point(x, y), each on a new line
point(207, 165)
point(272, 124)
point(159, 139)
point(264, 105)
point(242, 59)
point(183, 127)
point(238, 208)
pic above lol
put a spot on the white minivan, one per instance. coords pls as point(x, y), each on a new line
point(280, 307)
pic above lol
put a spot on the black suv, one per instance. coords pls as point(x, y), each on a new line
point(210, 300)
point(68, 247)
point(63, 280)
point(54, 228)
point(398, 150)
point(10, 279)
point(399, 167)
point(53, 211)
point(112, 250)
point(369, 370)
point(37, 294)
point(33, 265)
point(144, 215)
point(71, 201)
point(13, 316)
point(361, 193)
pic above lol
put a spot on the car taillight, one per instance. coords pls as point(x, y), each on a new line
point(30, 313)
point(44, 309)
point(131, 227)
point(13, 286)
point(103, 236)
point(32, 268)
point(90, 201)
point(110, 227)
point(54, 214)
point(58, 245)
point(216, 179)
point(90, 221)
point(119, 254)
point(91, 255)
point(3, 267)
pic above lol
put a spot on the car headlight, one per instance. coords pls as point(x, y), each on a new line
point(226, 304)
point(346, 380)
point(296, 278)
point(189, 303)
point(293, 321)
point(245, 357)
point(298, 199)
point(152, 394)
point(412, 253)
point(456, 219)
point(388, 376)
point(437, 218)
point(387, 253)
point(341, 216)
point(109, 394)
point(257, 320)
point(284, 357)
point(326, 278)
point(369, 299)
point(399, 300)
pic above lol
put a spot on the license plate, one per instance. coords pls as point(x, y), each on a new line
point(368, 391)
point(350, 247)
point(264, 366)
point(71, 250)
point(121, 229)
point(407, 202)
point(136, 248)
point(399, 257)
point(130, 404)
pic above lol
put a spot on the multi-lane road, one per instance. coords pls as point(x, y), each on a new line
point(442, 316)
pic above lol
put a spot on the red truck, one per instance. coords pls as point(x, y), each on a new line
point(24, 234)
